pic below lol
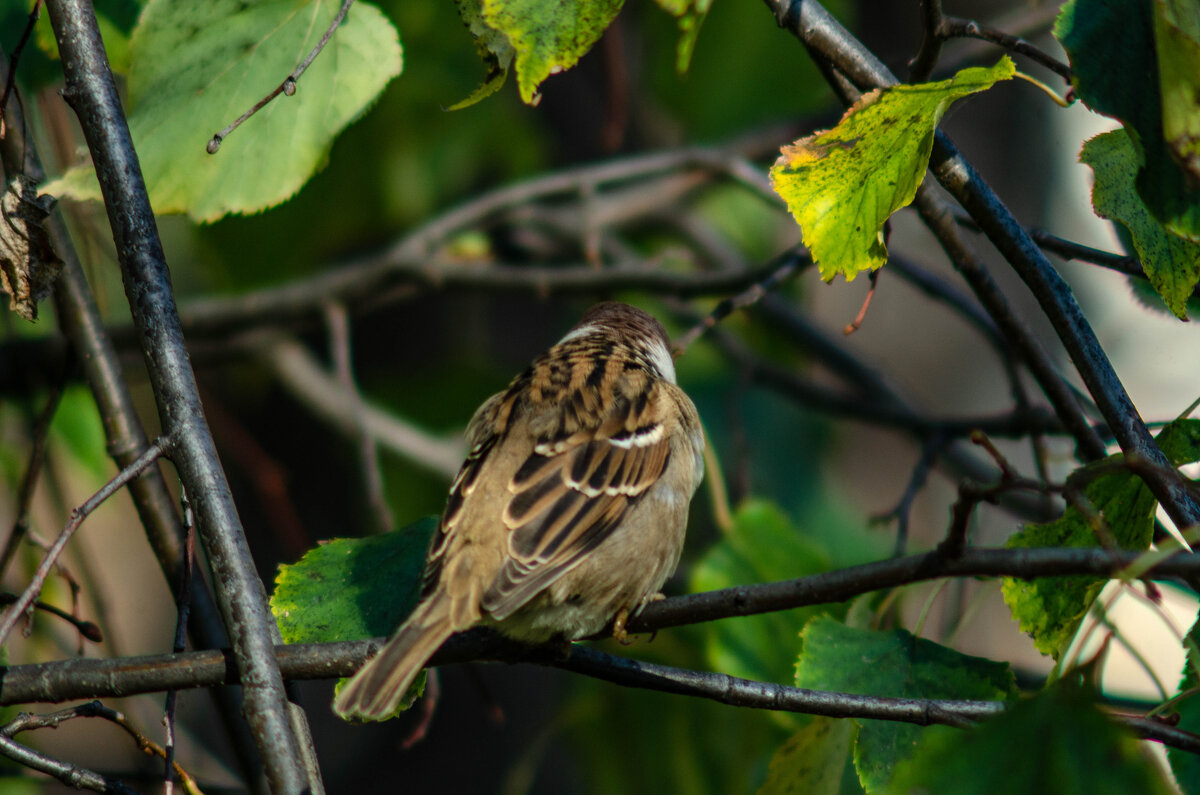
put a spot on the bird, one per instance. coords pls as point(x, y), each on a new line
point(570, 510)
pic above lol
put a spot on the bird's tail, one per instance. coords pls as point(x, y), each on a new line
point(375, 692)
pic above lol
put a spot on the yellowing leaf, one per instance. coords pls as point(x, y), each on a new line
point(842, 184)
point(542, 37)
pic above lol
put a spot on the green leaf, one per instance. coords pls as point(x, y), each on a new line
point(1171, 263)
point(691, 14)
point(493, 47)
point(812, 761)
point(842, 184)
point(1112, 48)
point(1057, 744)
point(762, 546)
point(896, 663)
point(1050, 608)
point(1147, 297)
point(1186, 766)
point(543, 37)
point(79, 429)
point(115, 19)
point(352, 588)
point(1177, 44)
point(196, 65)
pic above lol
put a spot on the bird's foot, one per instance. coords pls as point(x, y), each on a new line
point(619, 627)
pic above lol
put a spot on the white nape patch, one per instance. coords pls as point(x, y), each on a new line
point(640, 439)
point(576, 333)
point(660, 356)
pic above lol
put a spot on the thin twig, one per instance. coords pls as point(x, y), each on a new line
point(288, 86)
point(901, 513)
point(184, 601)
point(859, 318)
point(26, 721)
point(308, 382)
point(779, 270)
point(955, 27)
point(14, 612)
point(337, 320)
point(923, 63)
point(1016, 423)
point(37, 455)
point(86, 629)
point(71, 775)
point(10, 80)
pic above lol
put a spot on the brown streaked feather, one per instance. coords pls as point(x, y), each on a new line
point(482, 436)
point(572, 492)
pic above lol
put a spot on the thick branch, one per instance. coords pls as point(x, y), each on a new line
point(92, 94)
point(325, 661)
point(87, 678)
point(79, 318)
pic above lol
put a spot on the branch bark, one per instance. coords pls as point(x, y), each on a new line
point(92, 94)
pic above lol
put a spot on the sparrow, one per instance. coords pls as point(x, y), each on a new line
point(570, 510)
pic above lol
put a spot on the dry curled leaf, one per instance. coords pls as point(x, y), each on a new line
point(28, 264)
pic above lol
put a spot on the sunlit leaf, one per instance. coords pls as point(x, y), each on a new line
point(842, 184)
point(352, 588)
point(196, 65)
point(541, 37)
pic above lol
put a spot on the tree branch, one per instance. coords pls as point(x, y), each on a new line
point(89, 678)
point(13, 614)
point(92, 94)
point(80, 321)
point(71, 775)
point(813, 25)
point(329, 660)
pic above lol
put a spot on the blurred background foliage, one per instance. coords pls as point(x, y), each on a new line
point(434, 358)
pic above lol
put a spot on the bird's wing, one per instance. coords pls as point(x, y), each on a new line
point(590, 463)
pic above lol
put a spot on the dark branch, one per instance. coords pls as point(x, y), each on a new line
point(71, 775)
point(92, 94)
point(954, 27)
point(329, 660)
point(819, 31)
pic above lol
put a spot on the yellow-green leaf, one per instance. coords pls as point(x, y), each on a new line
point(542, 37)
point(842, 184)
